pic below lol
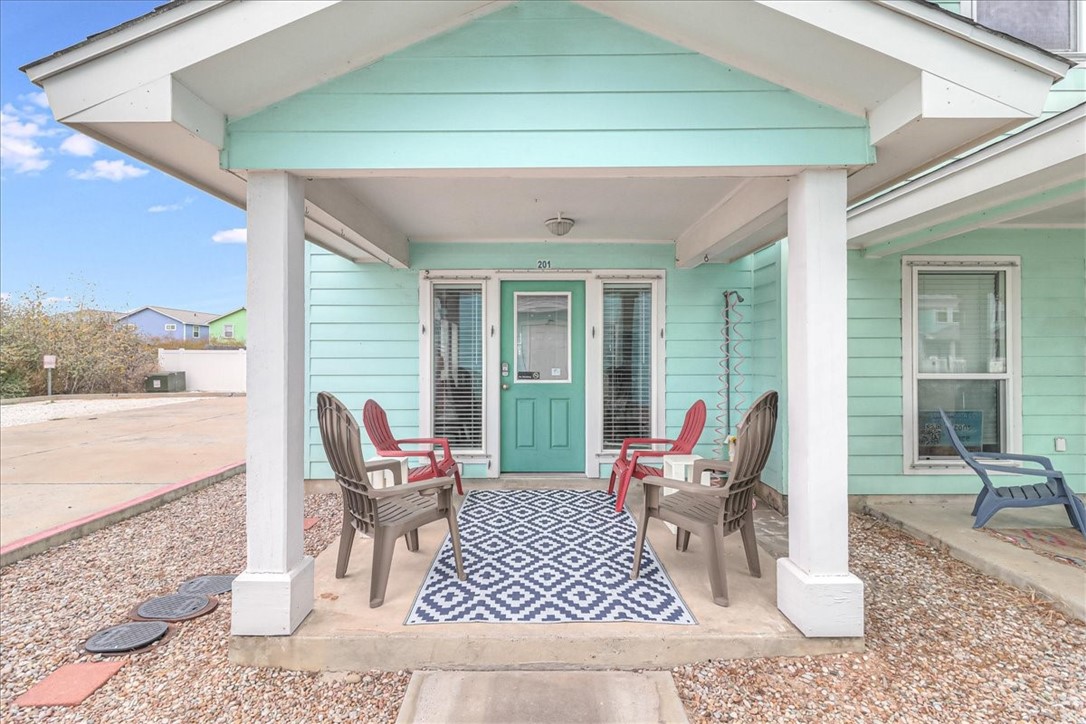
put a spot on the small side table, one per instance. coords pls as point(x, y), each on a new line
point(385, 478)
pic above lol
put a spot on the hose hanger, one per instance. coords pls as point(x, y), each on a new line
point(732, 378)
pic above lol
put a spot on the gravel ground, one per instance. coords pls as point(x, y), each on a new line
point(51, 603)
point(945, 643)
point(28, 413)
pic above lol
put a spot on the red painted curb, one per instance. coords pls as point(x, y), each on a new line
point(162, 492)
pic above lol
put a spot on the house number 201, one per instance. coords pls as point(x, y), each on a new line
point(543, 264)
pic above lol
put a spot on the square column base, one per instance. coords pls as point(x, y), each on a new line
point(820, 606)
point(272, 604)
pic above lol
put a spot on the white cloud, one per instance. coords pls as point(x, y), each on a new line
point(163, 208)
point(19, 147)
point(39, 99)
point(229, 236)
point(79, 145)
point(118, 170)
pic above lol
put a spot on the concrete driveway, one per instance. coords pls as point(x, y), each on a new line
point(62, 470)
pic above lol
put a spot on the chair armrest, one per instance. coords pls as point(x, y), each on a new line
point(1040, 460)
point(646, 454)
point(442, 441)
point(642, 441)
point(410, 454)
point(399, 491)
point(392, 466)
point(716, 466)
point(1023, 471)
point(695, 488)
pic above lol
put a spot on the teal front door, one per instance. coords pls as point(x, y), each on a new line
point(542, 377)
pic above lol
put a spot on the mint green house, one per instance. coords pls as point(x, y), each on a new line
point(524, 225)
point(230, 327)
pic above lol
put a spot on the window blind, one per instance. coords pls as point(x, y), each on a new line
point(458, 364)
point(627, 362)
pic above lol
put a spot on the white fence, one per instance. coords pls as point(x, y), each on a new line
point(206, 370)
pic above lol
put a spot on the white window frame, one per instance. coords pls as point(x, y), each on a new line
point(228, 331)
point(968, 8)
point(170, 327)
point(911, 266)
point(491, 281)
point(196, 333)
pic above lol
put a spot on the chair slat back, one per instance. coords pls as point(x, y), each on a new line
point(343, 448)
point(962, 452)
point(693, 425)
point(754, 440)
point(376, 422)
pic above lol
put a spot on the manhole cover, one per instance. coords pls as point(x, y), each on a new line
point(127, 637)
point(175, 607)
point(207, 585)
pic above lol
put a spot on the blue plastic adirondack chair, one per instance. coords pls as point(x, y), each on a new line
point(1052, 491)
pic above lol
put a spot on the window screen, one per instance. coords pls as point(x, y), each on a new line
point(1045, 23)
point(961, 359)
point(627, 363)
point(458, 365)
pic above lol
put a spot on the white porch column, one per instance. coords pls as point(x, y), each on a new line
point(814, 587)
point(275, 592)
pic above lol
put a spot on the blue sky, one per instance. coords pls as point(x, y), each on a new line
point(76, 216)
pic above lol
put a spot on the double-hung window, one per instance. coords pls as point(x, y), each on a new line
point(627, 362)
point(960, 334)
point(456, 357)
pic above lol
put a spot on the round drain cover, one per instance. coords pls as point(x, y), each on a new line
point(126, 638)
point(207, 585)
point(175, 607)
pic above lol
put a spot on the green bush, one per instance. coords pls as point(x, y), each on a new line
point(94, 354)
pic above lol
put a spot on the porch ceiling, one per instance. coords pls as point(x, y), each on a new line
point(163, 87)
point(505, 209)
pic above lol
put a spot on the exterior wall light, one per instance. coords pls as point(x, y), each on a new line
point(559, 226)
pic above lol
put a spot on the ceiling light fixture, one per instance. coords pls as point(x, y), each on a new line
point(559, 226)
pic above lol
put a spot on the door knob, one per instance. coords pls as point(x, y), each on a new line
point(505, 386)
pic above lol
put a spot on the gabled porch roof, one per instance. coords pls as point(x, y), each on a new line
point(164, 87)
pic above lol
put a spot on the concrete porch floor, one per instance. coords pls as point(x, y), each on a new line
point(343, 634)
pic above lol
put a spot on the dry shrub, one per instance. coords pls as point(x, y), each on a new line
point(94, 354)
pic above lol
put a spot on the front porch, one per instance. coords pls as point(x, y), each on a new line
point(343, 634)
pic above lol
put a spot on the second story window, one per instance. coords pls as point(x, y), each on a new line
point(1049, 24)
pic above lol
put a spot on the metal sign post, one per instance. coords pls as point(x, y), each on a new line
point(49, 362)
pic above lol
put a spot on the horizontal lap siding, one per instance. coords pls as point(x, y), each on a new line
point(1053, 323)
point(362, 332)
point(545, 85)
point(767, 364)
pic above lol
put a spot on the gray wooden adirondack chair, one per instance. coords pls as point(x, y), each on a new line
point(1053, 490)
point(713, 512)
point(386, 513)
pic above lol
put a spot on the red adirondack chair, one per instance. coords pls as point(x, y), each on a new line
point(627, 466)
point(376, 423)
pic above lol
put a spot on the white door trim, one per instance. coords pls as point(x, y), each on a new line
point(491, 280)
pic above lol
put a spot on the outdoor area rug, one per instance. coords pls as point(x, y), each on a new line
point(1062, 544)
point(546, 556)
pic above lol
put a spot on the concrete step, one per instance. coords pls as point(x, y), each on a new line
point(541, 697)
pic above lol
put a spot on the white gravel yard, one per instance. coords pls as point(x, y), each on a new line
point(29, 413)
point(945, 643)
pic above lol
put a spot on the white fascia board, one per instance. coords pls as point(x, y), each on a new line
point(95, 73)
point(1045, 156)
point(331, 205)
point(751, 206)
point(1011, 73)
point(164, 100)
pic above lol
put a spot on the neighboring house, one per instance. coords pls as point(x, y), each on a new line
point(230, 327)
point(422, 153)
point(165, 323)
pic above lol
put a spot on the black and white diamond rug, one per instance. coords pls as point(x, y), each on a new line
point(546, 556)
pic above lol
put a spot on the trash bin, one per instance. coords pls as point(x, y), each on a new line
point(165, 382)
